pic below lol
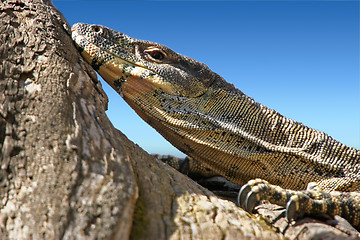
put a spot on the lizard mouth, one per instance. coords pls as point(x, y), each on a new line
point(101, 61)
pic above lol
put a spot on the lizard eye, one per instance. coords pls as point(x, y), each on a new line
point(155, 54)
point(96, 28)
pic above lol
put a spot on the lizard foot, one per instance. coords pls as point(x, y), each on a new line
point(257, 190)
point(313, 201)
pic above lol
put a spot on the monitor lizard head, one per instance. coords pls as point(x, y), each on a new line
point(148, 66)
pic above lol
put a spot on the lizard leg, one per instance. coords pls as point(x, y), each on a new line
point(312, 202)
point(188, 166)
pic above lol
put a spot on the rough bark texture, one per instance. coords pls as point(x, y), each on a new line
point(65, 171)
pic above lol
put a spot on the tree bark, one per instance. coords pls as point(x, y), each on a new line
point(65, 171)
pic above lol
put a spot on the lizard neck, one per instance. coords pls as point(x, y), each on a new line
point(227, 130)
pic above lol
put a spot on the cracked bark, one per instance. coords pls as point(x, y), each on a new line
point(65, 171)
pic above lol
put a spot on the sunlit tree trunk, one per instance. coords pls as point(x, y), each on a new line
point(64, 170)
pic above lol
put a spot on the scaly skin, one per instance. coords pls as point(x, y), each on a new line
point(222, 129)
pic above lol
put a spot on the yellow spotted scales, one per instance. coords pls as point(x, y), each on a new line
point(225, 132)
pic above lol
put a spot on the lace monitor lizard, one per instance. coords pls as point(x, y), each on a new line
point(224, 131)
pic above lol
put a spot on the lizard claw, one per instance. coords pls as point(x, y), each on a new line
point(250, 194)
point(251, 201)
point(292, 210)
point(242, 196)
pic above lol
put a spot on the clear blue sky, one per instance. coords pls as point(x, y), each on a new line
point(300, 58)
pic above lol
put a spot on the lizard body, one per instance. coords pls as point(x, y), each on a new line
point(222, 129)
